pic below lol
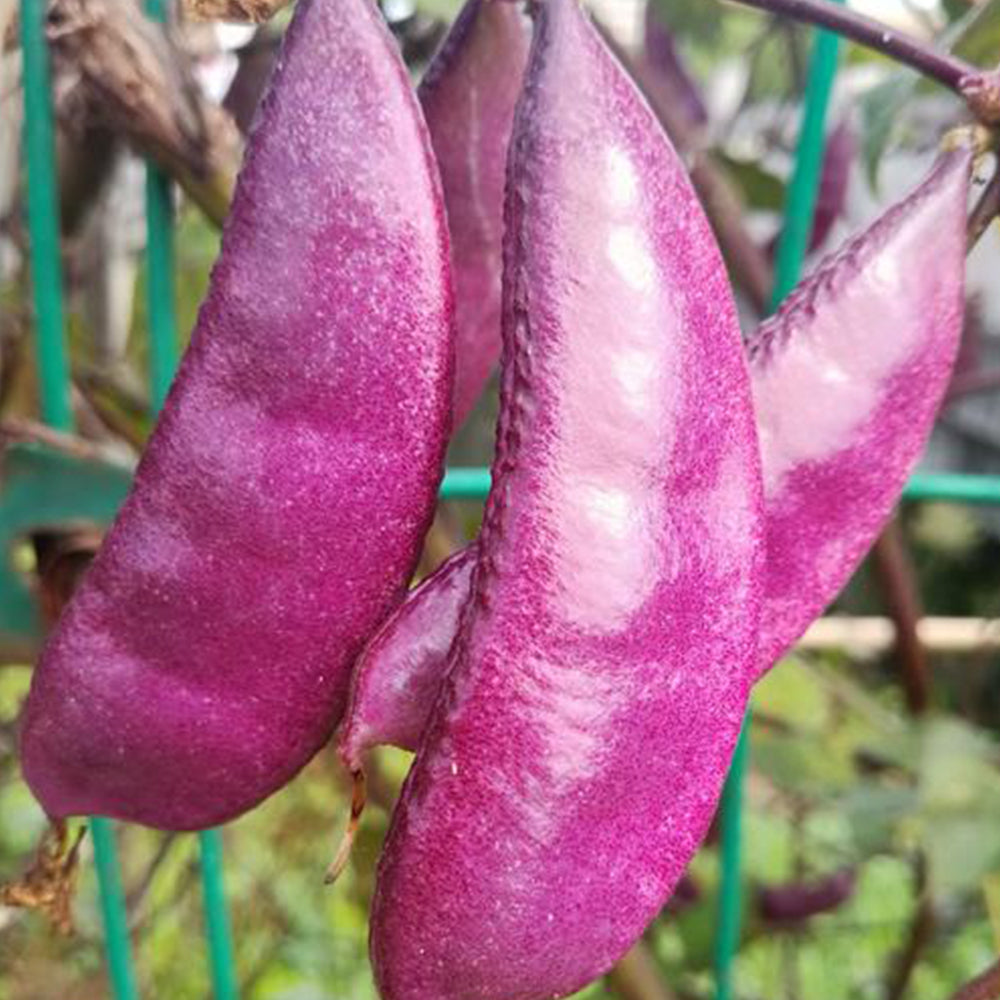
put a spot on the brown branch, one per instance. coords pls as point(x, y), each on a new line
point(232, 10)
point(19, 429)
point(127, 73)
point(13, 344)
point(919, 936)
point(973, 383)
point(986, 986)
point(85, 158)
point(138, 895)
point(987, 208)
point(897, 582)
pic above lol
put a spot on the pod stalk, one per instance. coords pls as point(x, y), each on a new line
point(359, 798)
point(979, 88)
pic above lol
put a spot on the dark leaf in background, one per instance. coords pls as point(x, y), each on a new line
point(663, 57)
point(762, 190)
point(795, 902)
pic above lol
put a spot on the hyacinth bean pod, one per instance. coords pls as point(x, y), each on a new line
point(206, 656)
point(838, 158)
point(847, 378)
point(468, 95)
point(577, 750)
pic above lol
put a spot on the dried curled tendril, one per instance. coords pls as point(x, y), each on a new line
point(359, 797)
point(50, 882)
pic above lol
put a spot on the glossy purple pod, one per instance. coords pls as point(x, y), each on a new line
point(397, 678)
point(834, 180)
point(468, 95)
point(579, 744)
point(279, 509)
point(847, 378)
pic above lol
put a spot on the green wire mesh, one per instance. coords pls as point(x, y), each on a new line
point(458, 484)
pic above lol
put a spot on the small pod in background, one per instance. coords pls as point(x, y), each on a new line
point(280, 506)
point(847, 379)
point(468, 95)
point(577, 750)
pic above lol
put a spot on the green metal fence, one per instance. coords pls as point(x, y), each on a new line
point(459, 484)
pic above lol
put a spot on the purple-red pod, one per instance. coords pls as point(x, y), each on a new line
point(792, 903)
point(468, 95)
point(838, 157)
point(579, 744)
point(280, 507)
point(847, 378)
point(397, 678)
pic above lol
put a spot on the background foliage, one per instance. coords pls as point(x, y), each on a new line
point(882, 823)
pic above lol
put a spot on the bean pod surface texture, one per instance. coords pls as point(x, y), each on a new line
point(279, 509)
point(847, 378)
point(576, 753)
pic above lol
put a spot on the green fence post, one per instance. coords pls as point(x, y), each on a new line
point(220, 943)
point(43, 220)
point(954, 487)
point(53, 372)
point(727, 929)
point(160, 290)
point(800, 207)
point(117, 946)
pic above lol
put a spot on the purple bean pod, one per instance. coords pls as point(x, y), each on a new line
point(847, 379)
point(279, 509)
point(579, 744)
point(468, 95)
point(665, 61)
point(834, 180)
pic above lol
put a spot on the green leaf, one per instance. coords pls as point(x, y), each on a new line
point(761, 189)
point(881, 113)
point(445, 9)
point(976, 36)
point(794, 695)
point(959, 804)
point(876, 813)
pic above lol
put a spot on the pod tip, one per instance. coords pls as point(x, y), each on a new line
point(343, 853)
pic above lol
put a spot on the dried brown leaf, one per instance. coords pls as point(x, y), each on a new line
point(233, 10)
point(119, 68)
point(50, 882)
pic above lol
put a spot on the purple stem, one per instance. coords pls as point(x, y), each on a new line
point(979, 88)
